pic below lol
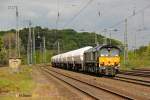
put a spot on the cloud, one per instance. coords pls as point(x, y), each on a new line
point(44, 13)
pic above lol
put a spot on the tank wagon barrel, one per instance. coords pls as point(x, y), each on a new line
point(70, 60)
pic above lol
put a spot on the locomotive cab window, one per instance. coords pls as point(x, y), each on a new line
point(114, 52)
point(109, 52)
point(104, 52)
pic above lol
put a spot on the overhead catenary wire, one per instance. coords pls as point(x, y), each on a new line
point(77, 14)
point(128, 17)
point(135, 13)
point(125, 33)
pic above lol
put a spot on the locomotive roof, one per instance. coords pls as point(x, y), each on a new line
point(102, 46)
point(110, 46)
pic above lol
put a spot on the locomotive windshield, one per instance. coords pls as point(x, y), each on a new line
point(109, 52)
point(104, 52)
point(114, 52)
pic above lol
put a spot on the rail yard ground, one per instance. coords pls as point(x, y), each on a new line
point(118, 87)
point(15, 84)
point(44, 82)
point(51, 88)
point(31, 83)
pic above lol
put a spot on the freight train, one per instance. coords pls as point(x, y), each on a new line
point(101, 60)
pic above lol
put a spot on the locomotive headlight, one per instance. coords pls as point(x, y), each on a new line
point(116, 67)
point(103, 68)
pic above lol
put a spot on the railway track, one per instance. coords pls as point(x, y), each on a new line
point(137, 72)
point(47, 73)
point(90, 89)
point(133, 79)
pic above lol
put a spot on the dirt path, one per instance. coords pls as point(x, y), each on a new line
point(49, 88)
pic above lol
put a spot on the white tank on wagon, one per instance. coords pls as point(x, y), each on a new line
point(60, 58)
point(77, 55)
point(56, 58)
point(64, 57)
point(53, 59)
point(71, 57)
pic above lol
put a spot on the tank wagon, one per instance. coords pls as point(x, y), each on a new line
point(70, 60)
point(104, 60)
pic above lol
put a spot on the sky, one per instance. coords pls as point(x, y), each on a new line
point(83, 15)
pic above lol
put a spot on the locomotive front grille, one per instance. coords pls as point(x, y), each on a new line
point(109, 61)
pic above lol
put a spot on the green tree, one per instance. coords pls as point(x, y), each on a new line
point(69, 39)
point(3, 53)
point(1, 43)
point(9, 38)
point(3, 57)
point(148, 51)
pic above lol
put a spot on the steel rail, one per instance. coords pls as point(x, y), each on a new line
point(94, 86)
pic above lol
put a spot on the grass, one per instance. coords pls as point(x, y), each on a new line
point(16, 83)
point(135, 61)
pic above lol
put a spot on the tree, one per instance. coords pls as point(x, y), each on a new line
point(69, 39)
point(70, 45)
point(7, 39)
point(1, 44)
point(3, 54)
point(148, 51)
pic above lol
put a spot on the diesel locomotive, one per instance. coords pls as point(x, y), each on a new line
point(102, 60)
